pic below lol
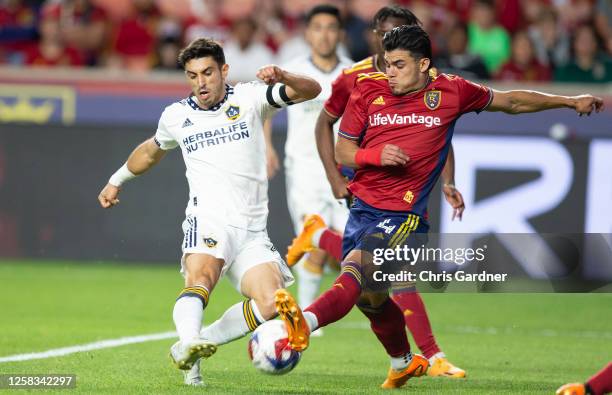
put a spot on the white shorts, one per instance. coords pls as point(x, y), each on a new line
point(240, 249)
point(303, 200)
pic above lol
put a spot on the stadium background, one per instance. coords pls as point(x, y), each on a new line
point(68, 121)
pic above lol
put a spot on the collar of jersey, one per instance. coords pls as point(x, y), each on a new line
point(228, 91)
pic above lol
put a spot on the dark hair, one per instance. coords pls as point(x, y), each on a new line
point(323, 9)
point(410, 38)
point(201, 48)
point(394, 11)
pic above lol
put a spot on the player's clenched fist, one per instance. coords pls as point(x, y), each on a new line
point(270, 74)
point(108, 196)
point(392, 155)
point(585, 104)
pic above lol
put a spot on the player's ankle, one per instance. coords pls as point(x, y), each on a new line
point(311, 320)
point(401, 362)
point(316, 237)
point(437, 355)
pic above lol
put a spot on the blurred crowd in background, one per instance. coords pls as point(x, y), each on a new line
point(509, 40)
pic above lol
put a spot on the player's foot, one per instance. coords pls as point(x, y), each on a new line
point(193, 376)
point(572, 389)
point(396, 378)
point(441, 367)
point(289, 311)
point(185, 355)
point(303, 242)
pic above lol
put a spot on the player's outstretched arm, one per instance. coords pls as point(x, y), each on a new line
point(324, 135)
point(522, 101)
point(145, 156)
point(299, 87)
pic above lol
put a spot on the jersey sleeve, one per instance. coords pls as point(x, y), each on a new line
point(355, 119)
point(269, 98)
point(163, 138)
point(341, 92)
point(473, 96)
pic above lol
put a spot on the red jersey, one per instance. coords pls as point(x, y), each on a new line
point(344, 84)
point(421, 123)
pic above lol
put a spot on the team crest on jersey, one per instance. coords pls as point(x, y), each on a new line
point(210, 242)
point(432, 99)
point(233, 112)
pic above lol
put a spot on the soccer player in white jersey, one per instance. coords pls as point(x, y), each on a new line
point(307, 188)
point(219, 130)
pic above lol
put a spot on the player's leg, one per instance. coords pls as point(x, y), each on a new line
point(599, 384)
point(415, 315)
point(258, 285)
point(257, 272)
point(329, 307)
point(387, 323)
point(201, 272)
point(314, 234)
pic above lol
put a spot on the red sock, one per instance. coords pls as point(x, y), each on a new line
point(601, 383)
point(337, 301)
point(387, 323)
point(331, 242)
point(417, 321)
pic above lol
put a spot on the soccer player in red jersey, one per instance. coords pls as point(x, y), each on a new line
point(316, 234)
point(396, 132)
point(599, 384)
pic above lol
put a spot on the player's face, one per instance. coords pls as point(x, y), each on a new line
point(323, 34)
point(383, 27)
point(207, 80)
point(405, 72)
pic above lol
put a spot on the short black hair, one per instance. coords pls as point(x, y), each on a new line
point(201, 48)
point(410, 38)
point(323, 9)
point(395, 11)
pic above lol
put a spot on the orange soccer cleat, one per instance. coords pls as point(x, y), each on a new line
point(442, 368)
point(396, 378)
point(289, 311)
point(303, 242)
point(572, 389)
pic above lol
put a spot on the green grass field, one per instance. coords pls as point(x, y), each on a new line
point(508, 343)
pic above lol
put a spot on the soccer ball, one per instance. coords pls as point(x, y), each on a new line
point(269, 349)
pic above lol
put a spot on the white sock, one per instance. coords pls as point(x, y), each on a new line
point(399, 363)
point(311, 321)
point(233, 324)
point(308, 286)
point(316, 236)
point(436, 356)
point(187, 315)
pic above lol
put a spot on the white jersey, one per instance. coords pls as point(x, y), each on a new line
point(224, 152)
point(301, 153)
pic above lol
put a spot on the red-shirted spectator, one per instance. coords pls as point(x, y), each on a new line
point(83, 26)
point(523, 65)
point(136, 37)
point(51, 50)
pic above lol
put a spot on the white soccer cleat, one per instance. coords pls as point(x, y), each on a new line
point(185, 355)
point(192, 376)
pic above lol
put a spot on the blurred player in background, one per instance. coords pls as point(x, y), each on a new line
point(599, 384)
point(398, 149)
point(307, 188)
point(318, 232)
point(219, 131)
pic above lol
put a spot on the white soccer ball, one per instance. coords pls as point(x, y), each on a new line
point(269, 349)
